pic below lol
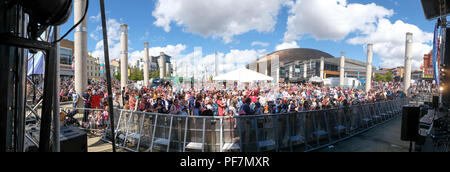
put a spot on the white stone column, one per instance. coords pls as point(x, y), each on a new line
point(305, 70)
point(124, 56)
point(80, 50)
point(146, 65)
point(291, 71)
point(369, 67)
point(342, 70)
point(322, 67)
point(162, 65)
point(408, 61)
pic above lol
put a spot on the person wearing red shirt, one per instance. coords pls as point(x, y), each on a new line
point(221, 105)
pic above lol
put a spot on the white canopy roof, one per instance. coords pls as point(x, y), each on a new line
point(243, 75)
point(316, 79)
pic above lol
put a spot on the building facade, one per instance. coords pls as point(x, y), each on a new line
point(428, 71)
point(163, 64)
point(301, 64)
point(93, 67)
point(67, 65)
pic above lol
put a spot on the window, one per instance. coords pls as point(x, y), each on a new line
point(66, 56)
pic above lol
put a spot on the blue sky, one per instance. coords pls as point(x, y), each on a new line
point(236, 50)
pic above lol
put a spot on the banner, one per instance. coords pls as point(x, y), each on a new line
point(435, 54)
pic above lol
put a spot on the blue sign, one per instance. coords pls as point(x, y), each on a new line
point(435, 53)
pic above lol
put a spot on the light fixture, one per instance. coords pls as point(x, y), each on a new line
point(45, 13)
point(48, 12)
point(432, 9)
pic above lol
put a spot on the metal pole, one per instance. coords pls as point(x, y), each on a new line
point(44, 144)
point(80, 50)
point(56, 110)
point(108, 72)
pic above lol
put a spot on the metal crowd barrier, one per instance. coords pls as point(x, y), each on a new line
point(301, 131)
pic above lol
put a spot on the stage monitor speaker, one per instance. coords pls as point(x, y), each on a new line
point(436, 102)
point(73, 140)
point(410, 123)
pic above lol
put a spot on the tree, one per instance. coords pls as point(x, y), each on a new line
point(117, 76)
point(388, 77)
point(378, 77)
point(136, 75)
point(154, 74)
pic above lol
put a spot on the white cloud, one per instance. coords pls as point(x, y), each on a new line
point(96, 18)
point(113, 27)
point(262, 44)
point(331, 19)
point(389, 42)
point(218, 19)
point(287, 45)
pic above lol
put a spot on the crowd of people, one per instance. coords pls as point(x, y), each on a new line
point(255, 100)
point(215, 100)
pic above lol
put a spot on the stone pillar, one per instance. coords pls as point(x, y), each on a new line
point(322, 67)
point(342, 70)
point(123, 56)
point(146, 65)
point(291, 71)
point(162, 65)
point(80, 50)
point(408, 61)
point(305, 70)
point(369, 67)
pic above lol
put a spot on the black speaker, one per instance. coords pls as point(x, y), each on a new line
point(436, 101)
point(73, 140)
point(410, 123)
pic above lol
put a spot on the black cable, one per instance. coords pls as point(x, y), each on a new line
point(76, 25)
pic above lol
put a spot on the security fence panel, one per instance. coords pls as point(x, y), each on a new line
point(366, 116)
point(195, 135)
point(177, 133)
point(379, 111)
point(309, 130)
point(320, 130)
point(266, 132)
point(147, 131)
point(230, 135)
point(162, 133)
point(376, 117)
point(247, 133)
point(341, 126)
point(297, 132)
point(282, 128)
point(212, 134)
point(356, 115)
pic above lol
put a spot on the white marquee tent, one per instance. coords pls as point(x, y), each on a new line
point(243, 75)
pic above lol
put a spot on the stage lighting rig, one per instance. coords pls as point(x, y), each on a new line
point(435, 8)
point(43, 13)
point(440, 9)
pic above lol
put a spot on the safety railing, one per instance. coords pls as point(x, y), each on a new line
point(301, 131)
